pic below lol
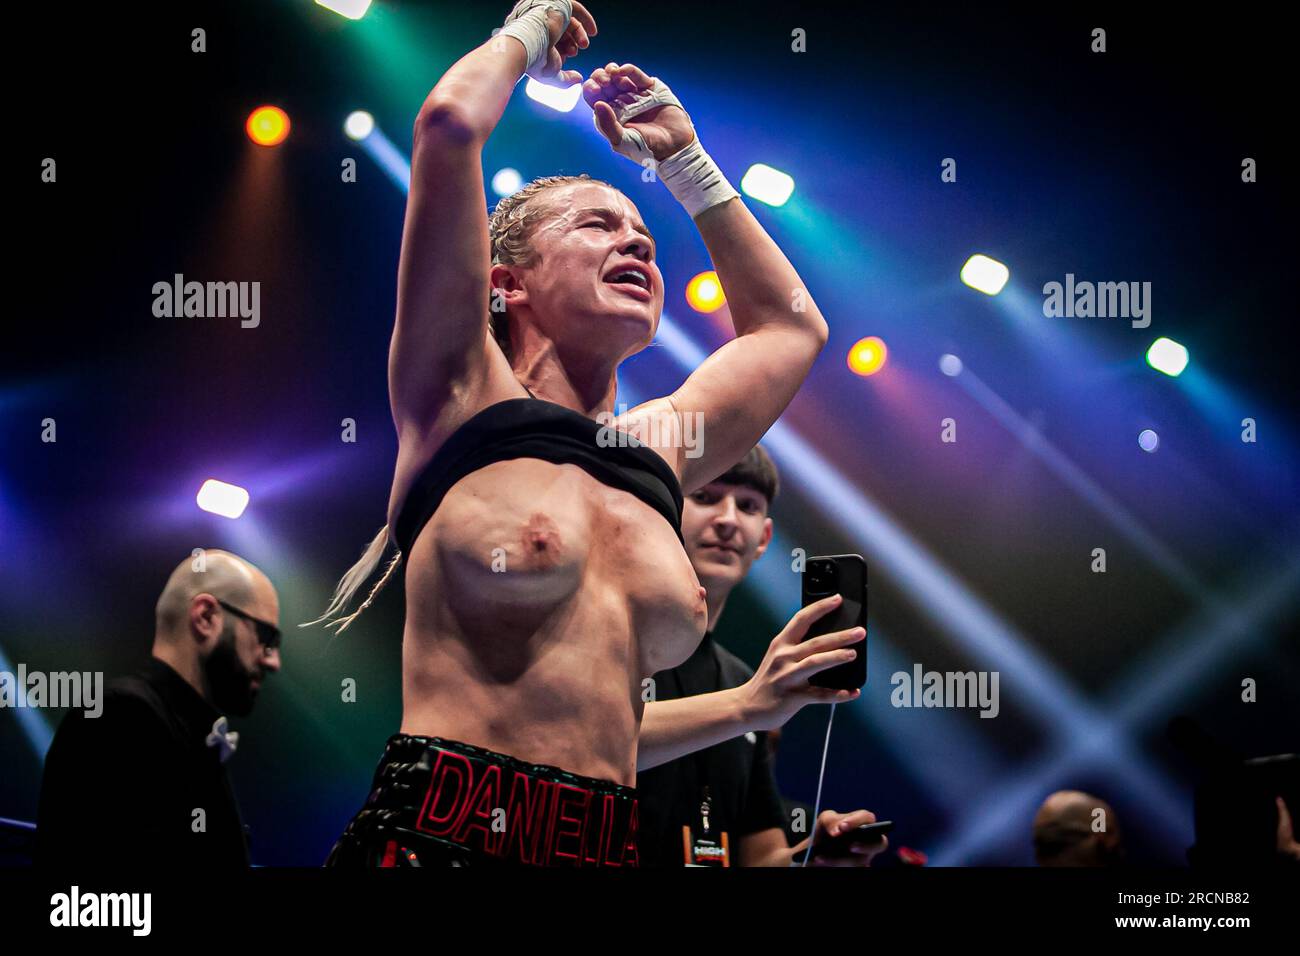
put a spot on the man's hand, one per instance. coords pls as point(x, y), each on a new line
point(832, 824)
point(779, 687)
point(664, 129)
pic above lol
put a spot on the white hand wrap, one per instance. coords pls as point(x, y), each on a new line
point(527, 24)
point(690, 174)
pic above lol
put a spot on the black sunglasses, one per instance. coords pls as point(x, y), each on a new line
point(267, 634)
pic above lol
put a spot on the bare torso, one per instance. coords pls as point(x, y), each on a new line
point(537, 599)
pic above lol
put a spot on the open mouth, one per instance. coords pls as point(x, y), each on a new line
point(633, 280)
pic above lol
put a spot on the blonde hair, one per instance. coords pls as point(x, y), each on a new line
point(351, 582)
point(510, 232)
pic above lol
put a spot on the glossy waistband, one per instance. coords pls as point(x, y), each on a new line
point(502, 807)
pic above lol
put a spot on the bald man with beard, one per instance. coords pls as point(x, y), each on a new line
point(144, 784)
point(1068, 831)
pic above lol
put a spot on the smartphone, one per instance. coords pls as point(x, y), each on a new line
point(839, 845)
point(846, 575)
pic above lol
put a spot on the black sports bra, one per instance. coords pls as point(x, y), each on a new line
point(535, 428)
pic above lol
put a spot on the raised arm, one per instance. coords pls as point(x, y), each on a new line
point(440, 340)
point(743, 387)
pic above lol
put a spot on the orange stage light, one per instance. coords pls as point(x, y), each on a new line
point(268, 126)
point(867, 357)
point(704, 293)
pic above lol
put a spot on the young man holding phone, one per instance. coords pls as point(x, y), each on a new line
point(704, 773)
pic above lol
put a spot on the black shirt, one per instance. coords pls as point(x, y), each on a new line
point(742, 791)
point(121, 789)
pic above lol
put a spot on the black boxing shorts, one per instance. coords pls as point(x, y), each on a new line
point(437, 802)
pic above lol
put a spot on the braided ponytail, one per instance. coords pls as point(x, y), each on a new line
point(356, 576)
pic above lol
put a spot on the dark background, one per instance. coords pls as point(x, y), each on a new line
point(1122, 166)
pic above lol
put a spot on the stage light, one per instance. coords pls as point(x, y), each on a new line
point(767, 184)
point(560, 99)
point(950, 365)
point(867, 357)
point(704, 293)
point(506, 182)
point(267, 126)
point(352, 9)
point(223, 499)
point(359, 125)
point(984, 274)
point(389, 157)
point(1148, 440)
point(1166, 355)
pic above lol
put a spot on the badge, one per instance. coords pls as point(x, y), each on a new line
point(706, 846)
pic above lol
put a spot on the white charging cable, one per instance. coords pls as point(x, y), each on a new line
point(821, 775)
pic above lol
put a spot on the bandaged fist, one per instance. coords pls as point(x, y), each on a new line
point(563, 39)
point(636, 113)
point(576, 36)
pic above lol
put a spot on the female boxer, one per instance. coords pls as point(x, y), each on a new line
point(545, 574)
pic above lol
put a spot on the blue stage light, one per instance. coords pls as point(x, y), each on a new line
point(767, 185)
point(1166, 355)
point(984, 274)
point(222, 498)
point(359, 125)
point(507, 182)
point(560, 99)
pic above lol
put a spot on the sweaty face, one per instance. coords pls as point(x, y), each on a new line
point(594, 284)
point(726, 528)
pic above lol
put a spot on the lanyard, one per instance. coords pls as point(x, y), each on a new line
point(694, 764)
